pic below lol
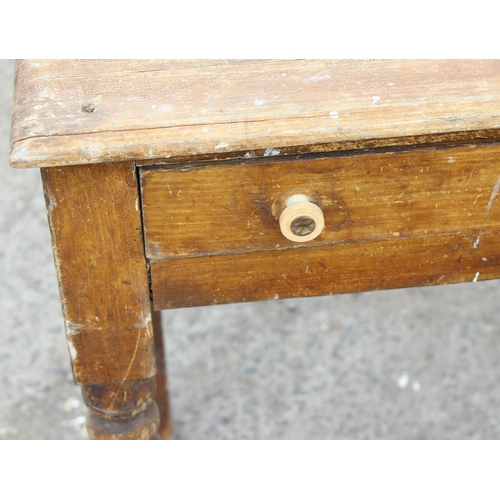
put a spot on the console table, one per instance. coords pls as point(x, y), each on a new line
point(182, 183)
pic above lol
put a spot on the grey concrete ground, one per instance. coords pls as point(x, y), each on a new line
point(403, 364)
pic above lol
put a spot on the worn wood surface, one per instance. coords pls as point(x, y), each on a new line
point(95, 222)
point(71, 112)
point(122, 410)
point(367, 196)
point(335, 269)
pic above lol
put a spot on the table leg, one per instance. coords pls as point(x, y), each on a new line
point(161, 396)
point(95, 222)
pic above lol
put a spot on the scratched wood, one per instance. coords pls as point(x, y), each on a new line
point(68, 112)
point(96, 232)
point(335, 269)
point(368, 196)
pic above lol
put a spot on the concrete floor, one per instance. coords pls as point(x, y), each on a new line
point(403, 364)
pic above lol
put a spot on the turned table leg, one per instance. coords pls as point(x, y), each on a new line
point(122, 410)
point(95, 222)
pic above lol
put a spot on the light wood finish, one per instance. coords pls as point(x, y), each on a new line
point(301, 221)
point(94, 218)
point(366, 196)
point(77, 112)
point(327, 270)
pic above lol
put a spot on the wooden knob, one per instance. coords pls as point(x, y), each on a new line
point(301, 220)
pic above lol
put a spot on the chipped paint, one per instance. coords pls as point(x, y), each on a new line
point(258, 101)
point(271, 152)
point(221, 145)
point(475, 278)
point(334, 114)
point(375, 99)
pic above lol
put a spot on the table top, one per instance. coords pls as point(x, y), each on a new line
point(72, 112)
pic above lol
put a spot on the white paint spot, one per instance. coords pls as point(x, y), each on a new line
point(403, 380)
point(72, 350)
point(222, 145)
point(451, 159)
point(416, 386)
point(73, 328)
point(283, 74)
point(276, 296)
point(484, 259)
point(390, 84)
point(475, 278)
point(493, 195)
point(258, 102)
point(250, 154)
point(477, 242)
point(375, 99)
point(271, 152)
point(334, 114)
point(319, 78)
point(153, 106)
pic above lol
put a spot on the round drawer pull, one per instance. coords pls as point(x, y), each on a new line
point(301, 220)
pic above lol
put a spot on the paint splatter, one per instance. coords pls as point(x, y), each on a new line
point(319, 78)
point(493, 196)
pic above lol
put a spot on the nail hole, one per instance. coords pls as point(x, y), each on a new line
point(88, 107)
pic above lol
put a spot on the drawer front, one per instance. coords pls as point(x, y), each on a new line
point(206, 223)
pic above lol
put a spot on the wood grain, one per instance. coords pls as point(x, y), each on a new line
point(96, 232)
point(69, 112)
point(335, 269)
point(194, 210)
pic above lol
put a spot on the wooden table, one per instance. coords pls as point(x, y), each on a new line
point(183, 183)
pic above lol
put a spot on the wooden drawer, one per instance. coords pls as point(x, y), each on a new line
point(393, 218)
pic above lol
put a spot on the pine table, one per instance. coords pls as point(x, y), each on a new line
point(182, 183)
